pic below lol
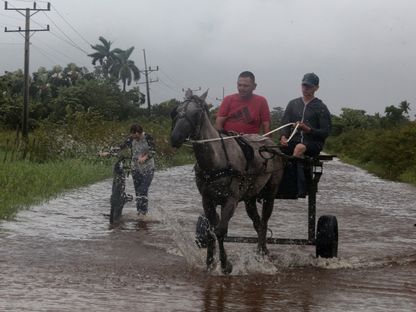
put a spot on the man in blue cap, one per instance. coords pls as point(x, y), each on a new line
point(312, 118)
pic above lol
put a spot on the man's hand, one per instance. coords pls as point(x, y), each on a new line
point(283, 141)
point(219, 122)
point(142, 159)
point(304, 127)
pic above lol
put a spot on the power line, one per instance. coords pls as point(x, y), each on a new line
point(82, 37)
point(74, 44)
point(172, 80)
point(11, 17)
point(68, 42)
point(168, 86)
point(57, 51)
point(10, 43)
point(45, 54)
point(37, 23)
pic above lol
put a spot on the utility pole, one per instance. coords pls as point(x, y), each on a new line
point(222, 95)
point(27, 14)
point(146, 72)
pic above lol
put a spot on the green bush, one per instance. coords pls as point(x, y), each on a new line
point(389, 153)
point(26, 183)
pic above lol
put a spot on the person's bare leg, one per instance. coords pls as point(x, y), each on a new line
point(299, 150)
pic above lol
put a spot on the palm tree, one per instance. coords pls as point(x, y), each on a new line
point(405, 107)
point(104, 55)
point(124, 69)
point(56, 79)
point(40, 86)
point(72, 73)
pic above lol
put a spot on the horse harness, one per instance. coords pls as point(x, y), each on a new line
point(196, 128)
point(228, 171)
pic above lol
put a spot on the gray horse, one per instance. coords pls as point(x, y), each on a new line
point(225, 175)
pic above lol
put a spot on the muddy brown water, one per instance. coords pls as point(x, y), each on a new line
point(63, 256)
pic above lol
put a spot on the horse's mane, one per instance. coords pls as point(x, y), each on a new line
point(198, 100)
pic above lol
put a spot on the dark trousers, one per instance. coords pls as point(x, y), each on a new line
point(142, 181)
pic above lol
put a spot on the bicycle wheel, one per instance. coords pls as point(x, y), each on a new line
point(118, 195)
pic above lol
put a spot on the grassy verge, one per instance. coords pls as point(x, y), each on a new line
point(69, 160)
point(407, 176)
point(24, 183)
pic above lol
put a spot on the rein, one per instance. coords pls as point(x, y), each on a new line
point(239, 135)
point(228, 171)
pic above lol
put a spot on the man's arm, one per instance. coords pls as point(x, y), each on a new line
point(266, 127)
point(219, 122)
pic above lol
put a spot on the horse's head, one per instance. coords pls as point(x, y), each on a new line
point(187, 117)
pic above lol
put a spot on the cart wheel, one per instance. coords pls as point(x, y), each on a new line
point(327, 237)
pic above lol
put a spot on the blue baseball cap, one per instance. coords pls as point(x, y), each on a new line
point(310, 79)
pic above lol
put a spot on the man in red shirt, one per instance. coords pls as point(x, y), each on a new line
point(244, 112)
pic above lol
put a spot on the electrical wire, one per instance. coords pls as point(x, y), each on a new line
point(46, 54)
point(11, 17)
point(171, 79)
point(73, 43)
point(52, 48)
point(11, 43)
point(82, 37)
point(68, 42)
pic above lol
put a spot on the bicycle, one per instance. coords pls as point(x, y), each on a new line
point(119, 197)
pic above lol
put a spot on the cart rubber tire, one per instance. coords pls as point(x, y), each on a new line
point(327, 237)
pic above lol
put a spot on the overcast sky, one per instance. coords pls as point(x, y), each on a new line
point(362, 50)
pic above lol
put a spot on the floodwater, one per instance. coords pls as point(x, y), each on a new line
point(63, 256)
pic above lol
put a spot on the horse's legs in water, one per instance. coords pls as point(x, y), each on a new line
point(268, 202)
point(227, 211)
point(251, 209)
point(260, 225)
point(212, 216)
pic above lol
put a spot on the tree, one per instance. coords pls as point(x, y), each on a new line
point(56, 79)
point(277, 116)
point(124, 69)
point(353, 118)
point(405, 107)
point(104, 55)
point(102, 97)
point(11, 99)
point(40, 88)
point(397, 115)
point(164, 108)
point(72, 73)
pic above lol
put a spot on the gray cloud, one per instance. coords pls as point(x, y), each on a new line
point(362, 50)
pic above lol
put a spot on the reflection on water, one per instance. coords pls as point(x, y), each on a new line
point(63, 256)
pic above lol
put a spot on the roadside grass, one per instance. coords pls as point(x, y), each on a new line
point(407, 176)
point(24, 183)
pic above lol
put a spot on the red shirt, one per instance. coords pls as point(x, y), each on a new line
point(244, 115)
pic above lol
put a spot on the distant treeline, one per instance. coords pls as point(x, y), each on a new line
point(74, 112)
point(60, 94)
point(384, 145)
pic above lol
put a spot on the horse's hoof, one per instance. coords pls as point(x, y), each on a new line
point(263, 252)
point(202, 232)
point(211, 267)
point(227, 269)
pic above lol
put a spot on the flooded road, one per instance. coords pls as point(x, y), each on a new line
point(63, 256)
